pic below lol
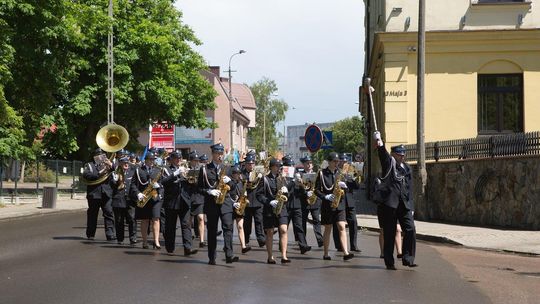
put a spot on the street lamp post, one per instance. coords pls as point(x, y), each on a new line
point(231, 97)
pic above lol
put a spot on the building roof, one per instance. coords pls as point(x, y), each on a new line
point(243, 94)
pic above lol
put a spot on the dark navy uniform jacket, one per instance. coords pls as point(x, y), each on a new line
point(121, 198)
point(99, 191)
point(266, 193)
point(325, 185)
point(209, 179)
point(399, 184)
point(252, 190)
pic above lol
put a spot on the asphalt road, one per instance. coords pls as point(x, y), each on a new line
point(45, 259)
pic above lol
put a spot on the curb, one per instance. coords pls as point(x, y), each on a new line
point(40, 213)
point(420, 236)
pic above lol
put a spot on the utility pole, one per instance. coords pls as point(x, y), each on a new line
point(420, 135)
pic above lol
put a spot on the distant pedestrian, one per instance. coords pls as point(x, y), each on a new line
point(397, 204)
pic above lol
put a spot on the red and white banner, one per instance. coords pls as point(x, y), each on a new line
point(162, 136)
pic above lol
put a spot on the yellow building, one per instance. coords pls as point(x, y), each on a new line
point(482, 67)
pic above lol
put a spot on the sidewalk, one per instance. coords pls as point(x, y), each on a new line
point(515, 241)
point(32, 206)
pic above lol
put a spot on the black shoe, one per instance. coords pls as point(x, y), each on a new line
point(399, 256)
point(202, 244)
point(410, 264)
point(133, 242)
point(244, 250)
point(320, 244)
point(326, 257)
point(111, 239)
point(348, 256)
point(381, 256)
point(156, 246)
point(212, 262)
point(356, 250)
point(230, 260)
point(391, 267)
point(285, 261)
point(305, 249)
point(170, 252)
point(145, 245)
point(189, 251)
point(219, 233)
point(270, 261)
point(90, 238)
point(262, 244)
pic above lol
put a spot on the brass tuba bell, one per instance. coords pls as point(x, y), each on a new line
point(112, 138)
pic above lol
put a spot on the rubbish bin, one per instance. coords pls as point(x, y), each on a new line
point(49, 197)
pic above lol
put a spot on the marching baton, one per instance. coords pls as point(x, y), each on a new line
point(367, 87)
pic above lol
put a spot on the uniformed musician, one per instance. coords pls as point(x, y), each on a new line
point(324, 189)
point(294, 205)
point(235, 194)
point(350, 208)
point(268, 195)
point(197, 205)
point(123, 205)
point(177, 203)
point(99, 195)
point(209, 176)
point(254, 211)
point(146, 177)
point(313, 209)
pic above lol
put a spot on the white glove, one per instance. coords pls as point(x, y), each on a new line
point(259, 175)
point(342, 185)
point(179, 171)
point(273, 203)
point(236, 205)
point(309, 193)
point(377, 138)
point(329, 197)
point(156, 185)
point(226, 179)
point(214, 192)
point(140, 196)
point(284, 190)
point(115, 176)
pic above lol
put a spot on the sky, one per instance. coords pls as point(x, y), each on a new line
point(312, 49)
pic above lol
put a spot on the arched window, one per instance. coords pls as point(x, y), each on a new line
point(500, 98)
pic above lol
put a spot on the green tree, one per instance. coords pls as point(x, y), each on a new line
point(347, 137)
point(59, 69)
point(270, 111)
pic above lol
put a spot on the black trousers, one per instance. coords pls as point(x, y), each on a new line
point(125, 215)
point(255, 213)
point(171, 217)
point(316, 222)
point(390, 217)
point(213, 214)
point(353, 229)
point(108, 217)
point(295, 215)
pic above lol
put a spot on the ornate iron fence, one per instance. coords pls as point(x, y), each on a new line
point(480, 147)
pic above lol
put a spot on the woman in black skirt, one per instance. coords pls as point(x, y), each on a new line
point(148, 177)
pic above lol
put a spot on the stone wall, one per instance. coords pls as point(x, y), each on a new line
point(502, 192)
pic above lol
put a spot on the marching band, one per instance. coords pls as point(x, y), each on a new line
point(192, 194)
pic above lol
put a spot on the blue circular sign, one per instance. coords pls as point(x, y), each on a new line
point(313, 138)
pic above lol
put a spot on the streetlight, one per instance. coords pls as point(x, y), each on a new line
point(230, 95)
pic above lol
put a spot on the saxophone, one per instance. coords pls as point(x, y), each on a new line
point(280, 197)
point(338, 192)
point(222, 187)
point(243, 200)
point(149, 191)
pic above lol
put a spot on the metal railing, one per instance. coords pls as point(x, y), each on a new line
point(61, 174)
point(481, 147)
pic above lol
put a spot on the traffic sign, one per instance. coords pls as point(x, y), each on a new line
point(313, 138)
point(327, 142)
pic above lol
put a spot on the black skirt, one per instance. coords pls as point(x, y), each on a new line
point(330, 216)
point(151, 210)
